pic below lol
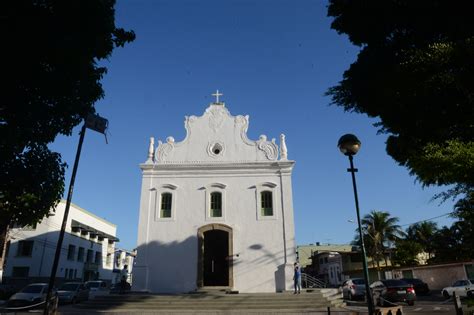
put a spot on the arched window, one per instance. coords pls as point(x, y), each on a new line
point(216, 205)
point(267, 203)
point(165, 209)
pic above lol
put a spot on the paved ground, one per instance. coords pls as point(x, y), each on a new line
point(429, 304)
point(419, 308)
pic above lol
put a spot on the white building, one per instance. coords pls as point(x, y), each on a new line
point(216, 210)
point(330, 267)
point(123, 265)
point(87, 250)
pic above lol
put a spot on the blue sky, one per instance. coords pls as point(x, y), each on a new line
point(273, 60)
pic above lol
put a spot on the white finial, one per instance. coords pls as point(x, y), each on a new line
point(217, 94)
point(151, 149)
point(283, 150)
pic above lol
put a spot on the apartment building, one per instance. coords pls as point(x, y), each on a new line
point(87, 251)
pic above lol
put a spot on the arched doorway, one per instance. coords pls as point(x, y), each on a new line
point(215, 256)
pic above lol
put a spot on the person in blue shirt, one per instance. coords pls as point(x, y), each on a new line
point(297, 278)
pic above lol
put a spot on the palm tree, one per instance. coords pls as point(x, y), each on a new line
point(423, 233)
point(380, 230)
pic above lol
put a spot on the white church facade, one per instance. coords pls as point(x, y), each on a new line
point(216, 210)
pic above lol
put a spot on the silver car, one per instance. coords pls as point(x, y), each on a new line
point(73, 292)
point(353, 289)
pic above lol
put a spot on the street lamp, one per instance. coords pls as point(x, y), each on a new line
point(349, 145)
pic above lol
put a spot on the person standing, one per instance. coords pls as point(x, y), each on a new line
point(297, 278)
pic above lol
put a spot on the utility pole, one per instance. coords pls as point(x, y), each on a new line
point(98, 124)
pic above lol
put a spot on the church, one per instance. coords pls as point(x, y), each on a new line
point(216, 210)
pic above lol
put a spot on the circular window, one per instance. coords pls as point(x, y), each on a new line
point(215, 149)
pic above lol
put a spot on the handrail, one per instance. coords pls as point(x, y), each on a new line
point(311, 282)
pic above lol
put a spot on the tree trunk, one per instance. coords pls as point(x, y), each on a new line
point(3, 244)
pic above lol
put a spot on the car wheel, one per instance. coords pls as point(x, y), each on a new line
point(446, 295)
point(411, 303)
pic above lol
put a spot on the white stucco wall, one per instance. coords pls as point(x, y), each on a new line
point(45, 237)
point(263, 247)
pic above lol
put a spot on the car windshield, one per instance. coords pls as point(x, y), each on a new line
point(393, 283)
point(69, 287)
point(36, 288)
point(93, 284)
point(414, 281)
point(358, 281)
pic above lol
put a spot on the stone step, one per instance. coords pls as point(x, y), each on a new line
point(210, 302)
point(296, 300)
point(216, 302)
point(321, 293)
point(223, 304)
point(315, 311)
point(194, 306)
point(205, 298)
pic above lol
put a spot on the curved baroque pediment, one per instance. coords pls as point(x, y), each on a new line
point(216, 136)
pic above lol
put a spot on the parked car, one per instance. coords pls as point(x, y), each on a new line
point(31, 294)
point(386, 292)
point(96, 285)
point(73, 292)
point(353, 289)
point(461, 287)
point(419, 286)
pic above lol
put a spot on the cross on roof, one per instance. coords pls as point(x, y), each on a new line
point(217, 94)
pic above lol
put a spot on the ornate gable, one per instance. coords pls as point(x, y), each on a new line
point(216, 136)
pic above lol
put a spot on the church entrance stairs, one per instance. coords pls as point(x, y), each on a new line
point(215, 302)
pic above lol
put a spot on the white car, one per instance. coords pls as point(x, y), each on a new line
point(32, 294)
point(461, 287)
point(96, 285)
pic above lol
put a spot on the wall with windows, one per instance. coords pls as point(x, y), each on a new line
point(87, 243)
point(216, 175)
point(251, 205)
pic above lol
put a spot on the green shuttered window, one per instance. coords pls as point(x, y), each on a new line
point(165, 210)
point(267, 203)
point(216, 205)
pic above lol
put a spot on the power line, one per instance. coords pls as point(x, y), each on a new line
point(430, 219)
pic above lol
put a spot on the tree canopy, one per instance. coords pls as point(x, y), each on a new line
point(423, 233)
point(414, 73)
point(50, 55)
point(455, 243)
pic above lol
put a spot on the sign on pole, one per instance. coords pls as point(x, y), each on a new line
point(96, 123)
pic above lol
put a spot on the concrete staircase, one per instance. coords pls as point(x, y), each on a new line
point(211, 303)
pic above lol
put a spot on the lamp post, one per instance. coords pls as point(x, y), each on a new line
point(349, 145)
